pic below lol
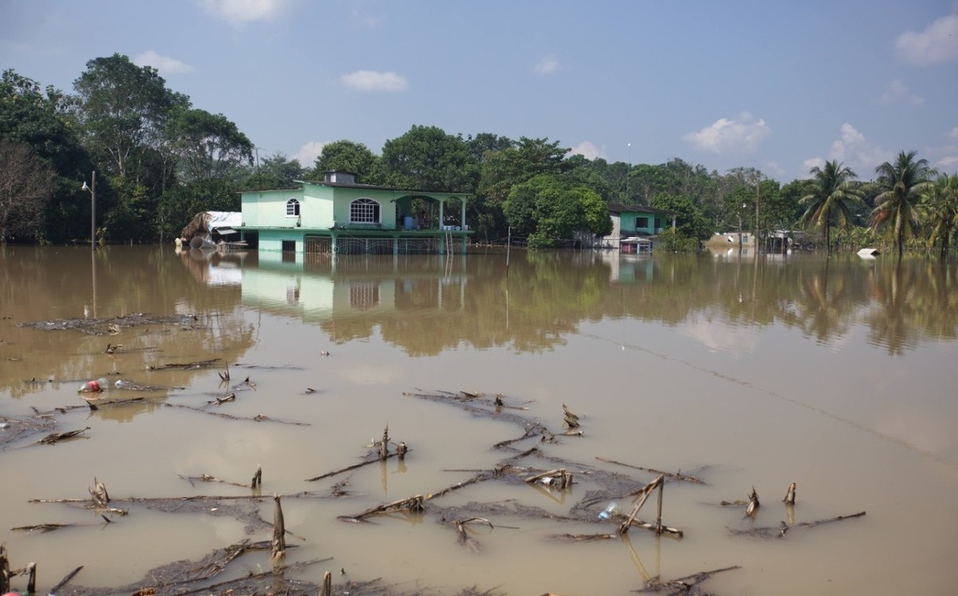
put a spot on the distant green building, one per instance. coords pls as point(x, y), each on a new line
point(342, 216)
point(634, 229)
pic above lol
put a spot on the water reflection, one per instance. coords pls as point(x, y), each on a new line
point(63, 284)
point(428, 304)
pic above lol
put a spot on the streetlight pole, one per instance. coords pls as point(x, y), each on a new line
point(628, 173)
point(92, 189)
point(758, 184)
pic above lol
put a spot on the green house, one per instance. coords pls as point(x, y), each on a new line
point(342, 216)
point(634, 228)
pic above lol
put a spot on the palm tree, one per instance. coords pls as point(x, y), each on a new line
point(900, 186)
point(834, 191)
point(939, 211)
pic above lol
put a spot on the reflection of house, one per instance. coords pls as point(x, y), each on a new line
point(634, 229)
point(372, 288)
point(341, 216)
point(627, 268)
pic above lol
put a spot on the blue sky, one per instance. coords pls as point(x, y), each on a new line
point(777, 85)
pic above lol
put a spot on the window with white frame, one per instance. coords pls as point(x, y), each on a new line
point(292, 208)
point(364, 211)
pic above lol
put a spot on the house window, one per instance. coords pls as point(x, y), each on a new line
point(641, 222)
point(292, 208)
point(364, 211)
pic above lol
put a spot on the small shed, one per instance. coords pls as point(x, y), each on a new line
point(214, 226)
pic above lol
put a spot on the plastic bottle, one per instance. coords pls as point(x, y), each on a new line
point(90, 387)
point(610, 511)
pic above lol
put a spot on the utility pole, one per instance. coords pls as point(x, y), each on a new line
point(758, 184)
point(92, 191)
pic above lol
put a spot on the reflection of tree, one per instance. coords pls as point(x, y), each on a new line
point(546, 295)
point(58, 283)
point(823, 306)
point(912, 301)
point(530, 307)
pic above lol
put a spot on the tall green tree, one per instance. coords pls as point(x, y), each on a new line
point(504, 169)
point(207, 145)
point(346, 156)
point(275, 171)
point(690, 221)
point(832, 196)
point(426, 158)
point(939, 211)
point(41, 120)
point(900, 186)
point(124, 110)
point(548, 209)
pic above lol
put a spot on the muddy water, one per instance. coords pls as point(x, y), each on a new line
point(838, 375)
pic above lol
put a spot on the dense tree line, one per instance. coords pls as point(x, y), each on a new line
point(159, 160)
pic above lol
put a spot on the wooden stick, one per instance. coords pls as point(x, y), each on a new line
point(4, 569)
point(828, 521)
point(564, 478)
point(258, 477)
point(675, 476)
point(790, 495)
point(278, 544)
point(66, 579)
point(642, 495)
point(753, 503)
point(384, 444)
point(413, 504)
point(348, 468)
point(31, 578)
point(658, 517)
point(327, 589)
point(100, 497)
point(56, 437)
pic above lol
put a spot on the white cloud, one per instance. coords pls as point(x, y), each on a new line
point(163, 64)
point(947, 162)
point(936, 44)
point(954, 133)
point(546, 66)
point(897, 92)
point(369, 80)
point(725, 135)
point(308, 153)
point(240, 12)
point(813, 162)
point(370, 21)
point(734, 341)
point(854, 151)
point(587, 150)
point(776, 169)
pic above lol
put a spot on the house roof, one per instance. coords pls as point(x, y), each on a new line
point(619, 208)
point(302, 183)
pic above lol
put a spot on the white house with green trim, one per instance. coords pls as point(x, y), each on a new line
point(342, 216)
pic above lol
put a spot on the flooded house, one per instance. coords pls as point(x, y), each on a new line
point(339, 215)
point(634, 229)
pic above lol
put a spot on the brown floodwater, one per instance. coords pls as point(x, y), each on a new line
point(839, 375)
